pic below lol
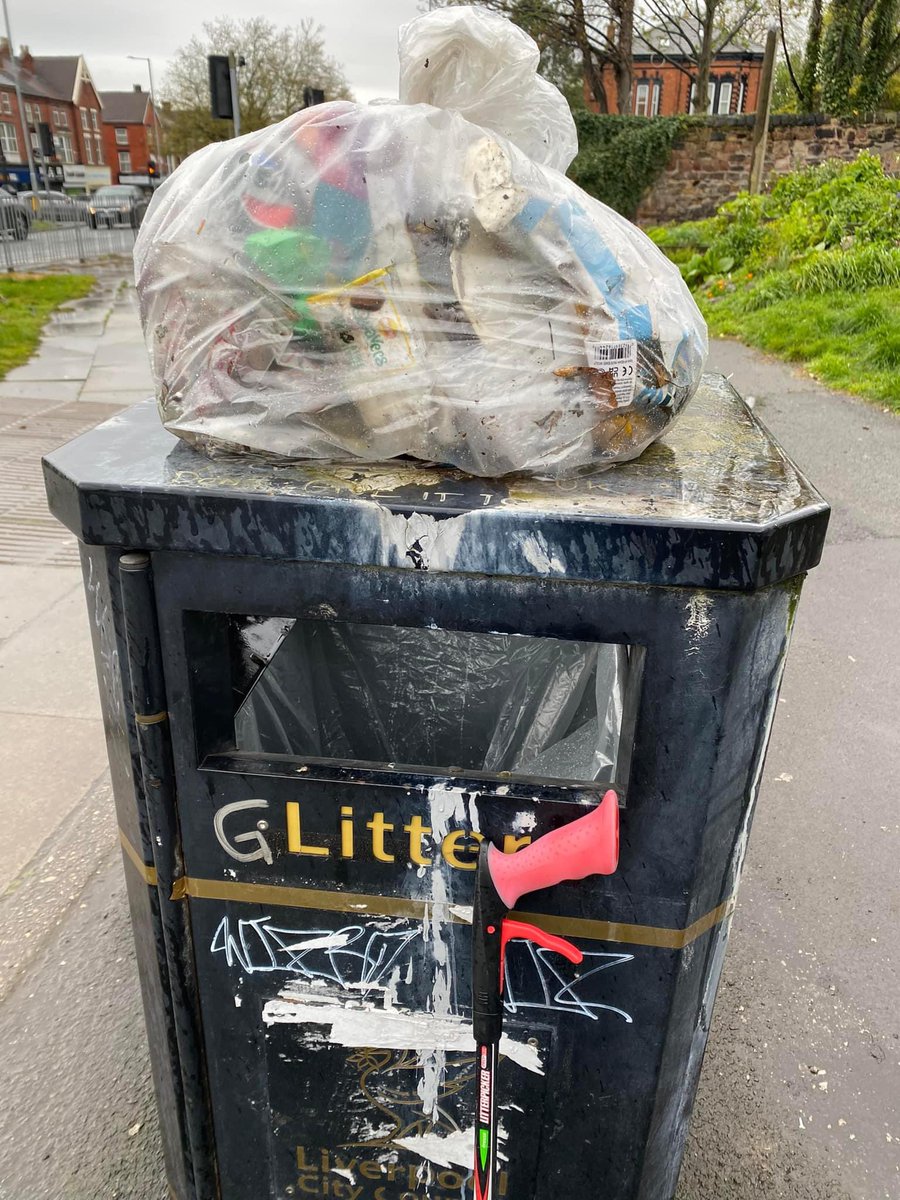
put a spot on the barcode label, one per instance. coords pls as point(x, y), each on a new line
point(620, 360)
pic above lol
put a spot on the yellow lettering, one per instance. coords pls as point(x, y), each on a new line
point(455, 843)
point(450, 1180)
point(302, 1164)
point(295, 837)
point(346, 832)
point(417, 830)
point(511, 843)
point(308, 1184)
point(371, 1170)
point(379, 828)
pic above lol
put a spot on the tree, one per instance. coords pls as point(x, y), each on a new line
point(689, 34)
point(852, 53)
point(599, 33)
point(279, 64)
point(860, 52)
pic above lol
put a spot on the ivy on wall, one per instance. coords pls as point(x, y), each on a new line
point(621, 157)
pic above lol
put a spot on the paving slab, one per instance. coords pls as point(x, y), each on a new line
point(53, 392)
point(47, 669)
point(47, 764)
point(128, 352)
point(48, 367)
point(117, 398)
point(120, 378)
point(26, 593)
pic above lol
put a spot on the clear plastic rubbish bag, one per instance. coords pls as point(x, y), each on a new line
point(364, 282)
point(443, 698)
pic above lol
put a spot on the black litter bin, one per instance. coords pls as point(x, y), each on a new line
point(323, 685)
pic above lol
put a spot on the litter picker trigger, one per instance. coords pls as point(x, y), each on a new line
point(511, 929)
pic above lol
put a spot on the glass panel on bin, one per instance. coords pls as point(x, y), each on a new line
point(393, 696)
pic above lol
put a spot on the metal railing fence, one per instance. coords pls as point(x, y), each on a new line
point(60, 230)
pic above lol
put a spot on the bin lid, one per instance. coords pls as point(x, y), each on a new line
point(716, 503)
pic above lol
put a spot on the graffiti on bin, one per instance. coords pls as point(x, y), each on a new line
point(366, 959)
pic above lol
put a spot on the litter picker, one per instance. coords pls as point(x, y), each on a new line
point(586, 846)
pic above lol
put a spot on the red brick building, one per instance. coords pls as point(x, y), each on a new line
point(57, 92)
point(132, 137)
point(664, 77)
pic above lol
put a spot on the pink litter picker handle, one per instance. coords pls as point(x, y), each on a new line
point(588, 846)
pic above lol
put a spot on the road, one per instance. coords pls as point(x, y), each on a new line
point(67, 243)
point(798, 1097)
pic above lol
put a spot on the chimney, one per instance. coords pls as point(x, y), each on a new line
point(4, 50)
point(26, 62)
point(136, 87)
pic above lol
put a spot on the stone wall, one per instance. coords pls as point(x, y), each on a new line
point(710, 162)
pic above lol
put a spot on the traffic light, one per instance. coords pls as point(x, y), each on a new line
point(313, 96)
point(152, 170)
point(45, 136)
point(220, 87)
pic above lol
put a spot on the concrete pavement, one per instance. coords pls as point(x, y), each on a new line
point(798, 1094)
point(799, 1090)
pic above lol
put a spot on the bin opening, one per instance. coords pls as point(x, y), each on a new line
point(443, 700)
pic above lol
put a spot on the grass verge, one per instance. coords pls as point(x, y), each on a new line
point(26, 301)
point(848, 340)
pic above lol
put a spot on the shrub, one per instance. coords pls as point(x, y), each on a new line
point(830, 227)
point(621, 157)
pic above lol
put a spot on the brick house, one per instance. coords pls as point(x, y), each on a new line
point(664, 77)
point(57, 92)
point(132, 136)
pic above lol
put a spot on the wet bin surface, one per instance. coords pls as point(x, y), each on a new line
point(301, 902)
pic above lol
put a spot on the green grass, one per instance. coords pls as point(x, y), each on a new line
point(26, 301)
point(848, 340)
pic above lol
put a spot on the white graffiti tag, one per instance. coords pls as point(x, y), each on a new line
point(362, 958)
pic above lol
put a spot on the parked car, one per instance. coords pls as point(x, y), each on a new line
point(54, 206)
point(15, 217)
point(117, 204)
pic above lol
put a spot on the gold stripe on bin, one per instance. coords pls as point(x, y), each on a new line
point(358, 904)
point(147, 872)
point(151, 719)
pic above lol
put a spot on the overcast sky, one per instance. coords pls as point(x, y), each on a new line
point(361, 34)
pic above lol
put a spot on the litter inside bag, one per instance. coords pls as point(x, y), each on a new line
point(365, 282)
point(483, 702)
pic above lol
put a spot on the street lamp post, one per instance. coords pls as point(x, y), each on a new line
point(21, 103)
point(143, 58)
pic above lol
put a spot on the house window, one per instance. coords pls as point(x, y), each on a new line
point(742, 93)
point(121, 137)
point(63, 119)
point(5, 105)
point(27, 113)
point(36, 143)
point(98, 149)
point(642, 100)
point(655, 98)
point(723, 107)
point(63, 143)
point(94, 121)
point(37, 114)
point(124, 162)
point(9, 143)
point(710, 96)
point(85, 122)
point(89, 150)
